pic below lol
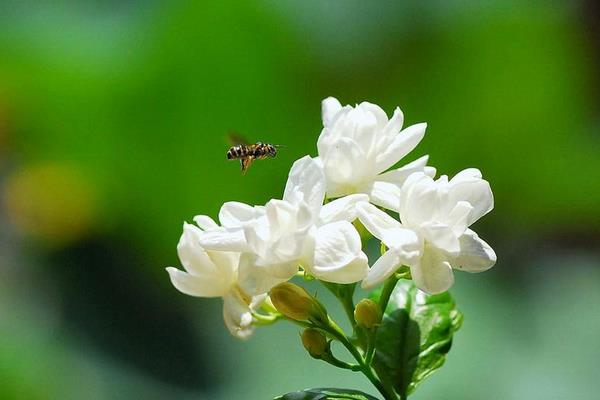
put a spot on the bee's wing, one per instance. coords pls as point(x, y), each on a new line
point(234, 138)
point(246, 162)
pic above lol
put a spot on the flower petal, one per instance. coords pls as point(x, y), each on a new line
point(458, 219)
point(191, 254)
point(336, 244)
point(399, 175)
point(402, 144)
point(432, 274)
point(393, 127)
point(383, 268)
point(345, 164)
point(195, 285)
point(352, 272)
point(329, 108)
point(306, 177)
point(375, 220)
point(468, 186)
point(386, 195)
point(237, 316)
point(205, 222)
point(475, 254)
point(419, 200)
point(342, 209)
point(224, 240)
point(441, 237)
point(255, 280)
point(337, 254)
point(234, 214)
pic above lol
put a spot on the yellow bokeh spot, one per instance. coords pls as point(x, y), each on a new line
point(51, 202)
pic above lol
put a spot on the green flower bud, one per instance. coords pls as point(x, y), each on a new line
point(314, 342)
point(367, 313)
point(296, 303)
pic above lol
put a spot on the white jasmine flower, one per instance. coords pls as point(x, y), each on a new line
point(215, 274)
point(358, 144)
point(297, 230)
point(433, 237)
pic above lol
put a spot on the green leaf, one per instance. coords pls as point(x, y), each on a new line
point(326, 393)
point(414, 337)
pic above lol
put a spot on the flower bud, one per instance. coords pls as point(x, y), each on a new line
point(296, 303)
point(367, 313)
point(314, 342)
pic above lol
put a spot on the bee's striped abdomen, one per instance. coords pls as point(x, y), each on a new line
point(237, 152)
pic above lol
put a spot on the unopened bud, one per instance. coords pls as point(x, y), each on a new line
point(296, 303)
point(314, 342)
point(367, 313)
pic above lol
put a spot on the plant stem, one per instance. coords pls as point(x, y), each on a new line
point(345, 297)
point(336, 332)
point(371, 336)
point(341, 364)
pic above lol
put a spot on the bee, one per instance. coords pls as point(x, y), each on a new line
point(247, 153)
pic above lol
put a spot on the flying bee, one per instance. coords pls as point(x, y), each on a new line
point(247, 153)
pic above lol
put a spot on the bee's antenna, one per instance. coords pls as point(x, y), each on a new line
point(279, 145)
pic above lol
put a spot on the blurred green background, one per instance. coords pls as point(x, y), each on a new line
point(113, 118)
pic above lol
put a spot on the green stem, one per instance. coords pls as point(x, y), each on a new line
point(345, 296)
point(262, 319)
point(372, 334)
point(340, 364)
point(336, 332)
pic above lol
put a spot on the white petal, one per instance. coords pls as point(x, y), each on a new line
point(306, 177)
point(192, 255)
point(393, 127)
point(366, 124)
point(255, 280)
point(383, 268)
point(352, 272)
point(205, 222)
point(329, 108)
point(234, 214)
point(405, 242)
point(432, 274)
point(224, 240)
point(257, 236)
point(467, 174)
point(468, 186)
point(237, 316)
point(336, 245)
point(386, 195)
point(377, 112)
point(281, 215)
point(375, 220)
point(342, 209)
point(226, 263)
point(430, 171)
point(402, 144)
point(287, 248)
point(458, 219)
point(399, 175)
point(441, 237)
point(346, 162)
point(475, 254)
point(419, 200)
point(196, 285)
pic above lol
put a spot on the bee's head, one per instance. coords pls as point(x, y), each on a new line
point(271, 150)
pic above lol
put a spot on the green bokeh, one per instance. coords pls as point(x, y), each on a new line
point(138, 97)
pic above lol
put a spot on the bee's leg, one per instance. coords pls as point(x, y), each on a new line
point(246, 162)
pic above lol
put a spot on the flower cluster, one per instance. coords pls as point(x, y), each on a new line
point(254, 248)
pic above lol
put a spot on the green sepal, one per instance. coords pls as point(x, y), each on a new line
point(326, 393)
